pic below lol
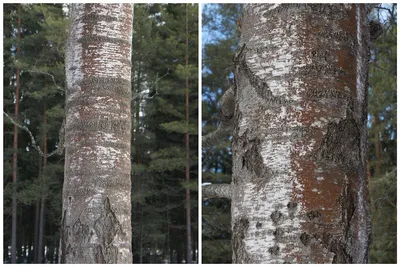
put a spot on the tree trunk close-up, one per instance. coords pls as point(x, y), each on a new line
point(96, 214)
point(299, 188)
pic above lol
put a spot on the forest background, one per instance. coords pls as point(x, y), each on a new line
point(158, 122)
point(158, 111)
point(220, 36)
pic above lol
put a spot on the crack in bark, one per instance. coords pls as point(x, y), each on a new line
point(107, 227)
point(240, 227)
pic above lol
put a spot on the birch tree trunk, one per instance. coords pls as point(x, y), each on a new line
point(300, 138)
point(96, 222)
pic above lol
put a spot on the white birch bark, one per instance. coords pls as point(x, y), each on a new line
point(299, 138)
point(96, 223)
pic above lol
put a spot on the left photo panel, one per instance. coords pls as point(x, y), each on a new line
point(100, 133)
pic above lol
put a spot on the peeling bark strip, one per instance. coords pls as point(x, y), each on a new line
point(299, 137)
point(96, 223)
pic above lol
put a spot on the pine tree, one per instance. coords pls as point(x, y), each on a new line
point(383, 135)
point(221, 35)
point(37, 55)
point(160, 74)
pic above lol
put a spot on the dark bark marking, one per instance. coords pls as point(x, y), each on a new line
point(252, 158)
point(278, 233)
point(319, 68)
point(107, 86)
point(335, 11)
point(260, 86)
point(340, 144)
point(274, 250)
point(305, 239)
point(314, 214)
point(292, 205)
point(329, 93)
point(107, 227)
point(240, 227)
point(94, 17)
point(102, 39)
point(276, 216)
point(341, 256)
point(81, 230)
point(64, 238)
point(340, 35)
point(258, 225)
point(103, 125)
point(99, 256)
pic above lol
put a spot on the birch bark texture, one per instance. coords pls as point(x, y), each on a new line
point(96, 221)
point(299, 185)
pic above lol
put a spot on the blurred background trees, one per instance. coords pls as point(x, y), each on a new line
point(382, 109)
point(158, 121)
point(221, 32)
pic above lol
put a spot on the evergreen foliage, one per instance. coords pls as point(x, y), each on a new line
point(220, 37)
point(382, 107)
point(159, 150)
point(43, 34)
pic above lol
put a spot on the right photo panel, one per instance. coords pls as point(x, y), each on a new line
point(299, 133)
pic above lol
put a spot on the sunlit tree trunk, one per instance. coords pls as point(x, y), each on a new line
point(96, 221)
point(299, 139)
point(299, 188)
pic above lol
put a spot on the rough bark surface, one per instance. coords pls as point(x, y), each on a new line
point(299, 140)
point(96, 223)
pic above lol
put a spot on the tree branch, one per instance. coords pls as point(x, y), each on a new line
point(48, 74)
point(60, 147)
point(227, 103)
point(141, 97)
point(217, 191)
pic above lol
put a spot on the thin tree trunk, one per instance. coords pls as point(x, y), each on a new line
point(15, 154)
point(42, 198)
point(168, 233)
point(96, 219)
point(300, 138)
point(188, 223)
point(136, 157)
point(378, 147)
point(141, 235)
point(37, 218)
